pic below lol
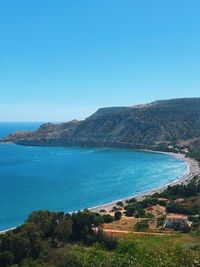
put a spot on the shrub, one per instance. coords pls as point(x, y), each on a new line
point(118, 215)
point(102, 211)
point(6, 258)
point(140, 213)
point(120, 203)
point(131, 200)
point(143, 225)
point(64, 230)
point(107, 218)
point(160, 221)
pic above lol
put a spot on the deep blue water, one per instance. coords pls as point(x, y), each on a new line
point(68, 179)
point(10, 127)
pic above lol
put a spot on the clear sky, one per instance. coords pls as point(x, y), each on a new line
point(63, 59)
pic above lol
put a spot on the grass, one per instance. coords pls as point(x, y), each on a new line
point(189, 239)
point(126, 224)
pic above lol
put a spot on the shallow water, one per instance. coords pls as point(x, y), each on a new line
point(68, 179)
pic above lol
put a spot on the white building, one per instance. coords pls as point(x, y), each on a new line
point(174, 219)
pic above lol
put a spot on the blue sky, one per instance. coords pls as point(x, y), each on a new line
point(64, 59)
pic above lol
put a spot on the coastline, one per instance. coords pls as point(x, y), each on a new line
point(5, 231)
point(192, 171)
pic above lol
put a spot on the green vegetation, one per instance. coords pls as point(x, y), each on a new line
point(32, 245)
point(194, 153)
point(189, 240)
point(118, 215)
point(181, 198)
point(160, 221)
point(56, 239)
point(170, 122)
point(59, 240)
point(107, 218)
point(195, 221)
point(141, 226)
point(46, 230)
point(178, 191)
point(137, 208)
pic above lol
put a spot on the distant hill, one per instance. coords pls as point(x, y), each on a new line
point(166, 122)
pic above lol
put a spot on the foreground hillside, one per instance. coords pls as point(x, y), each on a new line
point(56, 239)
point(168, 122)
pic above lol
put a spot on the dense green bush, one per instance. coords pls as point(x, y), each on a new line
point(44, 229)
point(194, 153)
point(63, 240)
point(118, 215)
point(143, 225)
point(107, 218)
point(181, 190)
point(120, 203)
point(6, 258)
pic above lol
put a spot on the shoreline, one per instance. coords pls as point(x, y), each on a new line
point(5, 231)
point(193, 169)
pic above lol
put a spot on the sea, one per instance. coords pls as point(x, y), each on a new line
point(73, 178)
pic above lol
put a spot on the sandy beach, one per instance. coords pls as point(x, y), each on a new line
point(192, 171)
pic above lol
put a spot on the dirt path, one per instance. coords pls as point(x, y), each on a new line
point(114, 231)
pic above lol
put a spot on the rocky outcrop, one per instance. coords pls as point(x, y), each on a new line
point(161, 122)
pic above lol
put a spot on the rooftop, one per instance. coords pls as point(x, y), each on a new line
point(176, 216)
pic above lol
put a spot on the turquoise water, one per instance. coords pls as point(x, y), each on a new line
point(68, 179)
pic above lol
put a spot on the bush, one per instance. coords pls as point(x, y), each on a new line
point(173, 207)
point(116, 208)
point(120, 203)
point(130, 210)
point(107, 218)
point(143, 225)
point(109, 242)
point(131, 200)
point(140, 213)
point(183, 228)
point(64, 230)
point(118, 215)
point(6, 258)
point(160, 221)
point(102, 211)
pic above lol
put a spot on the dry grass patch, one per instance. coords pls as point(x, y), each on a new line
point(125, 224)
point(157, 211)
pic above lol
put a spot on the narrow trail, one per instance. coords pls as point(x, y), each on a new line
point(113, 231)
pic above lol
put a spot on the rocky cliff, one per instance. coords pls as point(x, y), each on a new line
point(175, 121)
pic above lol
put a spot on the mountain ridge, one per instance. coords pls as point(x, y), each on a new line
point(169, 122)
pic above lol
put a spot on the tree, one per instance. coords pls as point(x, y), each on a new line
point(6, 258)
point(64, 230)
point(46, 221)
point(107, 218)
point(118, 215)
point(130, 210)
point(42, 219)
point(120, 203)
point(140, 213)
point(143, 225)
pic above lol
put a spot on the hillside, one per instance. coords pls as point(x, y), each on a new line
point(88, 239)
point(175, 121)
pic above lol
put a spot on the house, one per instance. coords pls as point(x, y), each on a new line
point(175, 219)
point(179, 200)
point(163, 199)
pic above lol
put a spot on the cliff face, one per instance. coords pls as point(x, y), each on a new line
point(169, 121)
